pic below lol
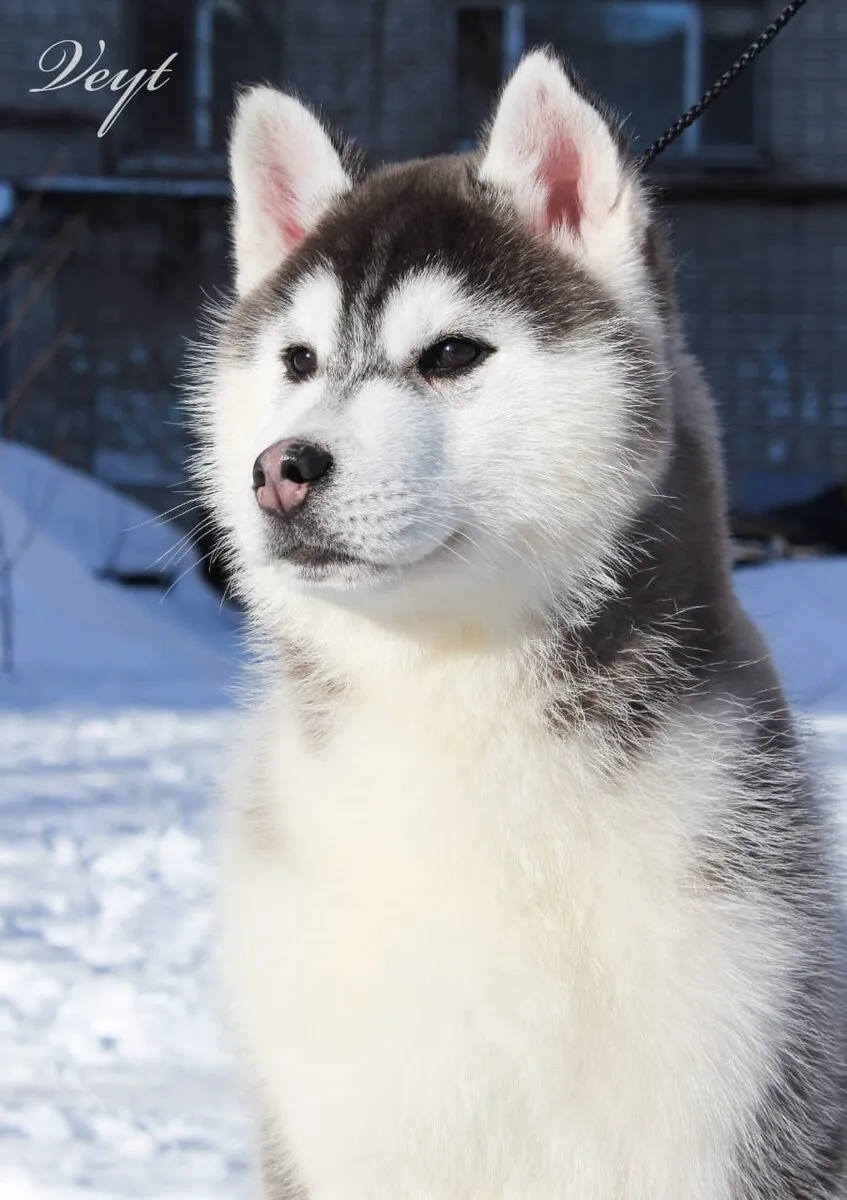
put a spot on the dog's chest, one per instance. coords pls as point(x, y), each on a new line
point(465, 973)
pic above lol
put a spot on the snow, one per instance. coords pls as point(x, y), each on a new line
point(79, 637)
point(802, 609)
point(116, 1082)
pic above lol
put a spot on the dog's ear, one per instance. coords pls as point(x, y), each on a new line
point(552, 150)
point(285, 173)
point(552, 154)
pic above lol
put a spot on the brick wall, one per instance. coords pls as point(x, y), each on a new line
point(420, 80)
point(382, 70)
point(53, 131)
point(763, 287)
point(127, 298)
point(804, 98)
point(30, 26)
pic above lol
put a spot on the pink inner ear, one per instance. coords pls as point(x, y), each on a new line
point(279, 205)
point(559, 170)
point(559, 176)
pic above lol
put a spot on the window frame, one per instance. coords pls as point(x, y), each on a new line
point(687, 17)
point(201, 154)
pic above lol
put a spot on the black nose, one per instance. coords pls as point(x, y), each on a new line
point(303, 462)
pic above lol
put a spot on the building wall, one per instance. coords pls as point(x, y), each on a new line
point(31, 26)
point(804, 100)
point(381, 70)
point(384, 70)
point(763, 288)
point(763, 272)
point(125, 305)
point(44, 132)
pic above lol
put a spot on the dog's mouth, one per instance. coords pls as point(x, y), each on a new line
point(319, 558)
point(316, 561)
point(308, 548)
point(324, 557)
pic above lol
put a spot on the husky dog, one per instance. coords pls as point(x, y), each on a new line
point(528, 892)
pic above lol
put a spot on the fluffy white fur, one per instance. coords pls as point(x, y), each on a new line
point(465, 960)
point(481, 974)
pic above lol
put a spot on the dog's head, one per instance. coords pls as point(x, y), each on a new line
point(442, 385)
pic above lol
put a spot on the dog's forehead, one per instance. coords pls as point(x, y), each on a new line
point(422, 224)
point(400, 221)
point(422, 230)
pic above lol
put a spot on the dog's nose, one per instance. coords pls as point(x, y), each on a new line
point(284, 473)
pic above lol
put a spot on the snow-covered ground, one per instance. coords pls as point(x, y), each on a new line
point(114, 1079)
point(115, 1082)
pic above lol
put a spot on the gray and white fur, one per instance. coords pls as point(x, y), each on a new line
point(528, 892)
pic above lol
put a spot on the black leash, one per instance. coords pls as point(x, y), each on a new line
point(753, 51)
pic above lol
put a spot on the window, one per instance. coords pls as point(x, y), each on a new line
point(245, 49)
point(489, 41)
point(160, 120)
point(650, 60)
point(219, 44)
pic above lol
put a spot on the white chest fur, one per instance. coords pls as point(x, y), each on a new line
point(462, 968)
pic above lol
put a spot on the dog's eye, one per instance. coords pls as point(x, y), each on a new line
point(301, 362)
point(450, 355)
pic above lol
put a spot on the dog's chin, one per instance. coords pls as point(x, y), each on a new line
point(334, 568)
